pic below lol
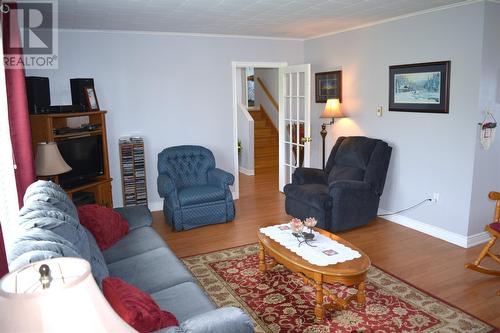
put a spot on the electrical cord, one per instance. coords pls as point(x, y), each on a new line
point(404, 210)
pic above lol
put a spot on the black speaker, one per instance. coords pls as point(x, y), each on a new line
point(77, 85)
point(38, 91)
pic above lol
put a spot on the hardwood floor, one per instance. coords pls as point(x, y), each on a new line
point(428, 263)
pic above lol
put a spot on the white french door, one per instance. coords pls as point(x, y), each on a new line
point(294, 121)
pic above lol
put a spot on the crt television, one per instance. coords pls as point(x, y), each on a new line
point(84, 156)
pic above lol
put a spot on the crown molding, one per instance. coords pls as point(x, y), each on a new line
point(181, 34)
point(396, 18)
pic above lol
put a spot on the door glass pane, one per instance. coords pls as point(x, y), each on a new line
point(302, 83)
point(287, 154)
point(287, 108)
point(301, 108)
point(287, 84)
point(293, 108)
point(293, 85)
point(299, 127)
point(288, 131)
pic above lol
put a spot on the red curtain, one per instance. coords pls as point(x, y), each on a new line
point(19, 123)
point(20, 130)
point(4, 268)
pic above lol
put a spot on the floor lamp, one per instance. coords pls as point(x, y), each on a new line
point(332, 110)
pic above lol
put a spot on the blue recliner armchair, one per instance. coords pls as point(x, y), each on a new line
point(346, 193)
point(196, 193)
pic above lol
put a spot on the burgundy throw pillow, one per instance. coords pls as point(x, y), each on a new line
point(136, 307)
point(106, 225)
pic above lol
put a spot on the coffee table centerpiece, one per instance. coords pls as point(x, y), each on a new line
point(329, 259)
point(298, 231)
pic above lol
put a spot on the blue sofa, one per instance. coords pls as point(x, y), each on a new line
point(51, 228)
point(196, 192)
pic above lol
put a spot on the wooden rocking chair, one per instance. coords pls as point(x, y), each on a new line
point(494, 230)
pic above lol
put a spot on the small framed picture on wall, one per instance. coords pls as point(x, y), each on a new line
point(328, 85)
point(91, 99)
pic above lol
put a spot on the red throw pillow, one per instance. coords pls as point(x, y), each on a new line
point(106, 225)
point(136, 307)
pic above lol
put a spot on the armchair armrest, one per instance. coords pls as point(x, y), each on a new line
point(165, 185)
point(309, 176)
point(220, 177)
point(222, 320)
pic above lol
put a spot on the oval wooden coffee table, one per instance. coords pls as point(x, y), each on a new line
point(349, 273)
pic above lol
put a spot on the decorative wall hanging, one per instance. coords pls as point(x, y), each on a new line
point(487, 130)
point(421, 87)
point(328, 86)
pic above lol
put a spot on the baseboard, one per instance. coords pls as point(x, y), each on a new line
point(477, 239)
point(431, 230)
point(155, 206)
point(248, 172)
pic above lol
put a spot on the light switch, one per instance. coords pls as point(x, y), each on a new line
point(379, 111)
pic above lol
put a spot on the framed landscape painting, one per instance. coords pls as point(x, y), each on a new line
point(328, 86)
point(421, 87)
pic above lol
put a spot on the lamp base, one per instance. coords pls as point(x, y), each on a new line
point(323, 133)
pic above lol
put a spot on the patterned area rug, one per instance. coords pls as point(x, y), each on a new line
point(279, 301)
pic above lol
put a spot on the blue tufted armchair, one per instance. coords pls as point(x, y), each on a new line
point(196, 193)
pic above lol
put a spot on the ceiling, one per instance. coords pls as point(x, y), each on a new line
point(270, 18)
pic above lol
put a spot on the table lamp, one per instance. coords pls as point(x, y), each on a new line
point(332, 110)
point(48, 160)
point(56, 295)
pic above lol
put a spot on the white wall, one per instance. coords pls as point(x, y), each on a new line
point(431, 152)
point(270, 77)
point(171, 89)
point(487, 162)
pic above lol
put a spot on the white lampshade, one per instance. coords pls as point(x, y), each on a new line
point(72, 302)
point(332, 109)
point(48, 161)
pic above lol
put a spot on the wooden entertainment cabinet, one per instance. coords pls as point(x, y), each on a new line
point(43, 128)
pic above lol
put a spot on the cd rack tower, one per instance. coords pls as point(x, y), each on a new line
point(133, 171)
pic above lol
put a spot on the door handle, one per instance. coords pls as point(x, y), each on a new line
point(305, 139)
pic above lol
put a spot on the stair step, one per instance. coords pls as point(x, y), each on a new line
point(256, 115)
point(263, 132)
point(261, 124)
point(265, 141)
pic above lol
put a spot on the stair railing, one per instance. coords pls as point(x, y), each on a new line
point(269, 95)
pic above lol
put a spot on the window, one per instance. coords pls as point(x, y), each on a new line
point(9, 206)
point(250, 87)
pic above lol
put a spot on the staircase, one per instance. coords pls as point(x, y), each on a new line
point(265, 141)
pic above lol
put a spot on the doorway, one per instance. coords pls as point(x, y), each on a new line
point(270, 137)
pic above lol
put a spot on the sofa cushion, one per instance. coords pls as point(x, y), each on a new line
point(136, 216)
point(97, 262)
point(38, 244)
point(315, 195)
point(151, 271)
point(136, 307)
point(45, 191)
point(184, 300)
point(106, 225)
point(135, 242)
point(200, 194)
point(61, 224)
